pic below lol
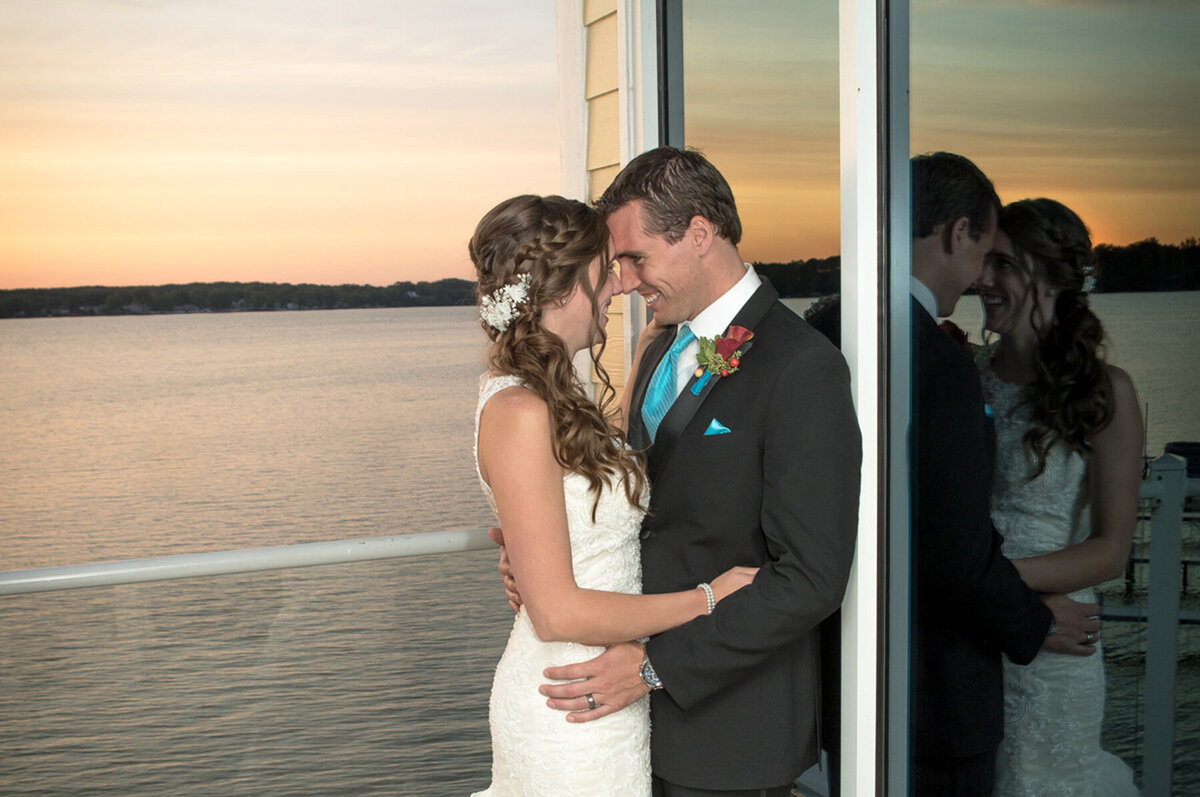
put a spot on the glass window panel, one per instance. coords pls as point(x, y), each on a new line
point(760, 89)
point(1090, 104)
point(760, 100)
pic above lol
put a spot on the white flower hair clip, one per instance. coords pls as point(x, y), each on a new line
point(499, 307)
point(1089, 279)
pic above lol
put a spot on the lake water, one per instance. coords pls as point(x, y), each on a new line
point(143, 436)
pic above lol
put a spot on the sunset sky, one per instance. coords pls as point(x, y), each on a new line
point(155, 141)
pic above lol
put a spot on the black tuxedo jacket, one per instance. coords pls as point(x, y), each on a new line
point(971, 604)
point(778, 490)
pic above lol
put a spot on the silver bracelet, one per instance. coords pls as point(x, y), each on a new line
point(708, 596)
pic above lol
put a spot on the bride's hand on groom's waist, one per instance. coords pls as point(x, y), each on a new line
point(612, 679)
point(510, 583)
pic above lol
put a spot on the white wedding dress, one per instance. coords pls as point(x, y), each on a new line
point(535, 751)
point(1053, 707)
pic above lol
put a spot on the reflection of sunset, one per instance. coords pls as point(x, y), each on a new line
point(1089, 106)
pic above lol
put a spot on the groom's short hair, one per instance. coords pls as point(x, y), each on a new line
point(946, 187)
point(674, 185)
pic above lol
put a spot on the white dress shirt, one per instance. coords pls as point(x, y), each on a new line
point(920, 291)
point(714, 320)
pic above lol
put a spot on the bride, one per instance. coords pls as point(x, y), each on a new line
point(1068, 467)
point(570, 497)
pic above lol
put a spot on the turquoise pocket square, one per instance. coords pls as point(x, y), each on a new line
point(716, 427)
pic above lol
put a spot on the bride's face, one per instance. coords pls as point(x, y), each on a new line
point(574, 321)
point(1008, 292)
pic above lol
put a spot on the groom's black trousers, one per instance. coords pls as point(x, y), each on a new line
point(664, 789)
point(948, 776)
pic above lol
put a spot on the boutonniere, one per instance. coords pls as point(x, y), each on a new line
point(981, 353)
point(720, 356)
point(955, 331)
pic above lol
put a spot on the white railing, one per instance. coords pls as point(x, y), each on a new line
point(248, 560)
point(1165, 490)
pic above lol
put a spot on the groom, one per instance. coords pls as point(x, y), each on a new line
point(755, 464)
point(971, 604)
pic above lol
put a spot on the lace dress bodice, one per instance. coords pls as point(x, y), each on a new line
point(1048, 513)
point(535, 751)
point(1054, 706)
point(605, 552)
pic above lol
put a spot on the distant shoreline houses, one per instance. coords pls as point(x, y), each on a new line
point(1146, 266)
point(228, 297)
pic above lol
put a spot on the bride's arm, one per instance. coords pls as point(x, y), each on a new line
point(517, 460)
point(1114, 476)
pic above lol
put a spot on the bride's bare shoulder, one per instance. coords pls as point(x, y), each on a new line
point(515, 410)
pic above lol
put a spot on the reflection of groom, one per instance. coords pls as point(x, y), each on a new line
point(757, 467)
point(971, 604)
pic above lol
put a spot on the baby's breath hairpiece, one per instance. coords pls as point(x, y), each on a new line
point(1089, 279)
point(499, 307)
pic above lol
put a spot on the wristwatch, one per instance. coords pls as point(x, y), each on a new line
point(649, 676)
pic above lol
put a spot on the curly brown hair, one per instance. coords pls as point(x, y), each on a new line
point(554, 240)
point(1071, 390)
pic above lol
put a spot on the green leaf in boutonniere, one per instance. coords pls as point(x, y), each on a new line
point(721, 356)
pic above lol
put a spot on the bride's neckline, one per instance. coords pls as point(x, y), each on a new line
point(1008, 382)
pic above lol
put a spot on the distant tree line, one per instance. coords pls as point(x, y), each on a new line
point(818, 276)
point(1144, 266)
point(203, 297)
point(1149, 266)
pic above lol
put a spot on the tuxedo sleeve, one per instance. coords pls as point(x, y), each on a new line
point(811, 460)
point(964, 583)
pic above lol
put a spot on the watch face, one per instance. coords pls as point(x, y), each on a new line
point(649, 676)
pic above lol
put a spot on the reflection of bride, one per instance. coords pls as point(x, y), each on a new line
point(569, 495)
point(1068, 464)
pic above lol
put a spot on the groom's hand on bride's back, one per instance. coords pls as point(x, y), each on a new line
point(1076, 628)
point(613, 679)
point(510, 583)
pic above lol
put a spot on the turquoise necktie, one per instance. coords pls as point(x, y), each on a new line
point(661, 393)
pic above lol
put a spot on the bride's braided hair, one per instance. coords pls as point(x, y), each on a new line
point(1072, 394)
point(555, 241)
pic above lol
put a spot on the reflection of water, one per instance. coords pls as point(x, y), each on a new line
point(1153, 336)
point(1125, 650)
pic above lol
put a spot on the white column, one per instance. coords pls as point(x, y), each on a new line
point(860, 290)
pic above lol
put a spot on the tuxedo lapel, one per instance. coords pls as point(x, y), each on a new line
point(935, 348)
point(688, 403)
point(637, 436)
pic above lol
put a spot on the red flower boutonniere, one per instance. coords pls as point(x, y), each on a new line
point(981, 353)
point(953, 330)
point(722, 355)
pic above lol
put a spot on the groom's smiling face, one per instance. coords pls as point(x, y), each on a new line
point(665, 274)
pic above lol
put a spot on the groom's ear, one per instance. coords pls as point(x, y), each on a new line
point(700, 233)
point(958, 234)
